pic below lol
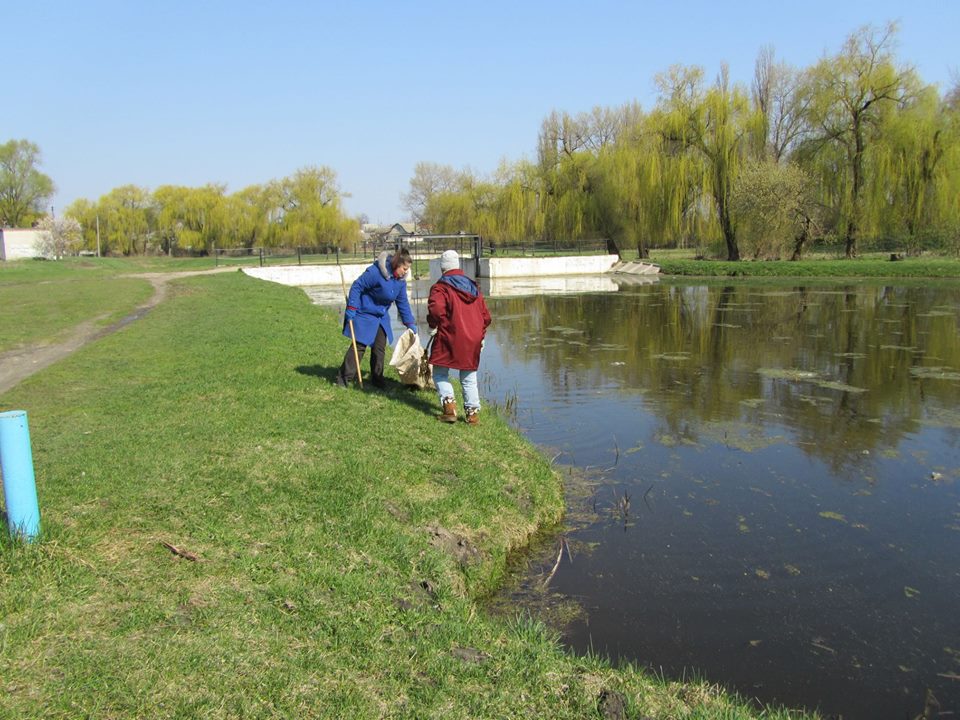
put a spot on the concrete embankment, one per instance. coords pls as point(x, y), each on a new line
point(491, 268)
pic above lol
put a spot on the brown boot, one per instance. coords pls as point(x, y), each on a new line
point(473, 416)
point(449, 411)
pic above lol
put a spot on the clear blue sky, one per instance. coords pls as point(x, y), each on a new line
point(189, 92)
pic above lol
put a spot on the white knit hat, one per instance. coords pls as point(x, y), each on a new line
point(449, 260)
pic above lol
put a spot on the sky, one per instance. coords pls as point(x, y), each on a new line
point(189, 92)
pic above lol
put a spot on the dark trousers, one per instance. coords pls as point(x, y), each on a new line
point(348, 370)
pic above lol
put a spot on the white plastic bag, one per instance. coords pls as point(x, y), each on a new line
point(411, 361)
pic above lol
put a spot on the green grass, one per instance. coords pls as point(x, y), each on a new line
point(320, 588)
point(40, 302)
point(921, 267)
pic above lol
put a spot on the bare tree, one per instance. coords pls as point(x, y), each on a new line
point(780, 95)
point(429, 179)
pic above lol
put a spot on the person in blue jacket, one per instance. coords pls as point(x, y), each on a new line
point(368, 305)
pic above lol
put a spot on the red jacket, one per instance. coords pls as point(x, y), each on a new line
point(458, 312)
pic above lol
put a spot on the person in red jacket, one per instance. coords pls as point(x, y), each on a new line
point(458, 319)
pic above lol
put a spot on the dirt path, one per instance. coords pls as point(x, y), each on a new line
point(17, 365)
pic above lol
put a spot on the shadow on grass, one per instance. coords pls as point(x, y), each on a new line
point(319, 371)
point(422, 400)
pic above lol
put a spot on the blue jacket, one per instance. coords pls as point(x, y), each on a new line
point(371, 295)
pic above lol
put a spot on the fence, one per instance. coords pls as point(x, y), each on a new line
point(264, 256)
point(421, 247)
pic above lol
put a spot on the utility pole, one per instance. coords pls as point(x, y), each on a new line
point(98, 235)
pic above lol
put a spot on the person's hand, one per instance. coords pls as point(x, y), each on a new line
point(350, 313)
point(414, 328)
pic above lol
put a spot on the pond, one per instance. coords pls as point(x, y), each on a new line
point(763, 482)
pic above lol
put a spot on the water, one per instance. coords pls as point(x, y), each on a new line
point(767, 491)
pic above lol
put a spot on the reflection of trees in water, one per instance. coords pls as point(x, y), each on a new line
point(694, 352)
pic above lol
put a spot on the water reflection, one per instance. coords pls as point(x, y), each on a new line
point(767, 486)
point(773, 492)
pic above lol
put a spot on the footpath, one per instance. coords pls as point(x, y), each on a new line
point(17, 365)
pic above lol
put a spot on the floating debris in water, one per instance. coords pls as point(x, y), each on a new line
point(833, 385)
point(832, 516)
point(910, 592)
point(792, 569)
point(818, 642)
point(934, 373)
point(762, 574)
point(787, 374)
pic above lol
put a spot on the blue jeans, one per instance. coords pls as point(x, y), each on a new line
point(468, 381)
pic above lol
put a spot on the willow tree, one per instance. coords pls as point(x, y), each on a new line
point(308, 209)
point(247, 213)
point(469, 206)
point(188, 217)
point(915, 156)
point(126, 219)
point(638, 195)
point(851, 95)
point(718, 126)
point(519, 212)
point(571, 193)
point(85, 213)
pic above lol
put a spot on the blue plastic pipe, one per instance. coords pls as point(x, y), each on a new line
point(19, 486)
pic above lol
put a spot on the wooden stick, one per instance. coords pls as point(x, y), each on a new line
point(353, 336)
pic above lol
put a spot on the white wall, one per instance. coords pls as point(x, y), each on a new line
point(300, 275)
point(546, 266)
point(16, 243)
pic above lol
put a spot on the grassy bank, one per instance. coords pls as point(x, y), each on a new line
point(227, 534)
point(42, 301)
point(675, 263)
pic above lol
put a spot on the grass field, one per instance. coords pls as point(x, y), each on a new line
point(227, 534)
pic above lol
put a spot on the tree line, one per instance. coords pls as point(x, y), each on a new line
point(855, 149)
point(302, 210)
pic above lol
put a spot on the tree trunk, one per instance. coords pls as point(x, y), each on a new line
point(733, 252)
point(729, 237)
point(612, 248)
point(853, 225)
point(800, 241)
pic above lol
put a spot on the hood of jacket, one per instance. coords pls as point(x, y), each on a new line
point(466, 287)
point(386, 268)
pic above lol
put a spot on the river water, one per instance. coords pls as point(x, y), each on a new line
point(763, 481)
